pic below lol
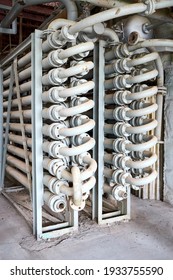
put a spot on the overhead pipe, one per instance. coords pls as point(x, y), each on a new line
point(18, 6)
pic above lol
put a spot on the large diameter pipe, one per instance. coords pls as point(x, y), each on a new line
point(107, 15)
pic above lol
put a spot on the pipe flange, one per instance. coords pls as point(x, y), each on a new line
point(59, 170)
point(54, 40)
point(80, 139)
point(55, 94)
point(151, 7)
point(120, 82)
point(53, 112)
point(54, 59)
point(58, 203)
point(75, 207)
point(119, 145)
point(54, 76)
point(121, 51)
point(122, 67)
point(79, 158)
point(53, 130)
point(120, 97)
point(78, 120)
point(66, 35)
point(120, 114)
point(119, 192)
point(119, 129)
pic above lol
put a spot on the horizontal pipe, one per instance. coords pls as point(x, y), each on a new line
point(142, 94)
point(19, 139)
point(18, 127)
point(18, 152)
point(77, 49)
point(107, 15)
point(23, 75)
point(143, 146)
point(23, 88)
point(17, 163)
point(78, 109)
point(68, 132)
point(142, 181)
point(16, 114)
point(17, 175)
point(26, 100)
point(23, 61)
point(77, 150)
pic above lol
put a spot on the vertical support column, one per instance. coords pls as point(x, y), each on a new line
point(4, 147)
point(99, 128)
point(1, 126)
point(37, 154)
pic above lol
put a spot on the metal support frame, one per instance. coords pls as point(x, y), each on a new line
point(7, 126)
point(99, 92)
point(12, 30)
point(37, 153)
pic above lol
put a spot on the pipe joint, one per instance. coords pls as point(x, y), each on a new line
point(119, 145)
point(120, 129)
point(54, 112)
point(54, 95)
point(119, 192)
point(66, 35)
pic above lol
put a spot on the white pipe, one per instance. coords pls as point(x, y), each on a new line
point(142, 94)
point(86, 174)
point(18, 127)
point(26, 100)
point(18, 152)
point(18, 176)
point(16, 114)
point(57, 203)
point(77, 186)
point(69, 112)
point(77, 49)
point(17, 163)
point(19, 139)
point(142, 181)
point(68, 132)
point(79, 149)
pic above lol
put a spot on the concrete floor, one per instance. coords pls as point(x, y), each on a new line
point(148, 235)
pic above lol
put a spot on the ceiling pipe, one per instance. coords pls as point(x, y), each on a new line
point(106, 3)
point(72, 12)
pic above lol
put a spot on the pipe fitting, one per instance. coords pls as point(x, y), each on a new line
point(53, 95)
point(53, 60)
point(54, 165)
point(53, 184)
point(53, 77)
point(119, 145)
point(53, 148)
point(66, 35)
point(120, 129)
point(57, 203)
point(119, 161)
point(53, 130)
point(119, 176)
point(119, 192)
point(53, 112)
